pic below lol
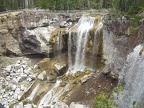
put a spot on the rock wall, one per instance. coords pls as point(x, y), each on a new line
point(29, 33)
point(119, 40)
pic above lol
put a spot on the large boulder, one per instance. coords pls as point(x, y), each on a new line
point(30, 45)
point(109, 71)
point(36, 41)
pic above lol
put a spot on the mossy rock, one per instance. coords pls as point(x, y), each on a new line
point(54, 34)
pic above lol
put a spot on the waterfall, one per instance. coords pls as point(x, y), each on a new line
point(51, 99)
point(133, 77)
point(47, 99)
point(96, 44)
point(84, 26)
point(59, 44)
point(70, 50)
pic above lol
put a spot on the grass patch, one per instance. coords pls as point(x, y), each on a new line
point(119, 88)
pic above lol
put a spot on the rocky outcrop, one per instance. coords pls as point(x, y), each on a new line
point(31, 32)
point(109, 71)
point(30, 45)
point(132, 79)
point(119, 41)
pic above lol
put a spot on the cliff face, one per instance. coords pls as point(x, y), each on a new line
point(119, 41)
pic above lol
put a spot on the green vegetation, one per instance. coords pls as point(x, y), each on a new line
point(134, 20)
point(132, 9)
point(119, 88)
point(104, 101)
point(135, 104)
point(129, 6)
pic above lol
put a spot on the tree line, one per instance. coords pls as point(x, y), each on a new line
point(131, 6)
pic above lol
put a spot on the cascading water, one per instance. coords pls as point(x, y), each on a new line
point(70, 50)
point(84, 26)
point(47, 99)
point(30, 98)
point(96, 43)
point(59, 44)
point(133, 77)
point(53, 96)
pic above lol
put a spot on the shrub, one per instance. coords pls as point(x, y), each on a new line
point(102, 101)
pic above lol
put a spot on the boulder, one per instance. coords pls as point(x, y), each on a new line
point(60, 68)
point(27, 71)
point(109, 71)
point(36, 41)
point(21, 78)
point(84, 79)
point(30, 44)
